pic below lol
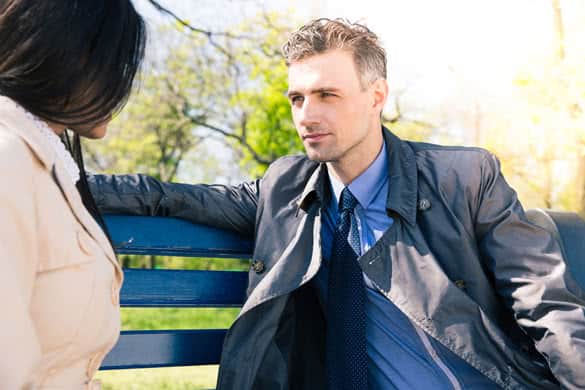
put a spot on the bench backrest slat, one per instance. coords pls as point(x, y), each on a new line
point(169, 288)
point(145, 349)
point(569, 230)
point(173, 237)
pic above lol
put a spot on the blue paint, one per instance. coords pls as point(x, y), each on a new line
point(174, 288)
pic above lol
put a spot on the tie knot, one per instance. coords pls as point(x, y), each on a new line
point(347, 201)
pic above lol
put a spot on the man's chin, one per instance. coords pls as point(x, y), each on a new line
point(319, 157)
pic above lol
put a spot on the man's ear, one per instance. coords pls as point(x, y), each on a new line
point(379, 90)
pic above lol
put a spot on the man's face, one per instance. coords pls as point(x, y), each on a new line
point(334, 116)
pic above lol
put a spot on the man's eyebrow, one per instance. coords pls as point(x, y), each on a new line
point(314, 91)
point(325, 89)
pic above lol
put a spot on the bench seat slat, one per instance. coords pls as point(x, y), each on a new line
point(173, 288)
point(146, 349)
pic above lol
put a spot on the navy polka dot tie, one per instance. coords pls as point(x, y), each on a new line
point(347, 363)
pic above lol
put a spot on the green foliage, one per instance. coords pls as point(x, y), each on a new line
point(234, 91)
point(545, 161)
point(410, 130)
point(150, 136)
point(188, 263)
point(177, 318)
point(268, 125)
point(270, 129)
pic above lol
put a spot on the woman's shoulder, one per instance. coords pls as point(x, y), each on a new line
point(16, 157)
point(20, 138)
point(13, 147)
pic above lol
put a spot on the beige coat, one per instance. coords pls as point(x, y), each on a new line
point(59, 278)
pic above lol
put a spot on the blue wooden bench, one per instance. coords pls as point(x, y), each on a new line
point(174, 288)
point(169, 288)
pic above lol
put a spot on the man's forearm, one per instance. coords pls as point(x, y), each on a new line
point(227, 207)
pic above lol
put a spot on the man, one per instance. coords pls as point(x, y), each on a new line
point(454, 288)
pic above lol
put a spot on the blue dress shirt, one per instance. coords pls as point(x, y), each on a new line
point(400, 355)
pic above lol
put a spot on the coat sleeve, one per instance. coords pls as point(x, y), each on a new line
point(227, 207)
point(20, 350)
point(531, 276)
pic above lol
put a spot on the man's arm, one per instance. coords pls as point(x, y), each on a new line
point(227, 207)
point(532, 277)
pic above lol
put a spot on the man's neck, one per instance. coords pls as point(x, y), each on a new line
point(355, 163)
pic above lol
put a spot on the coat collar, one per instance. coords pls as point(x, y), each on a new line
point(316, 188)
point(402, 179)
point(26, 129)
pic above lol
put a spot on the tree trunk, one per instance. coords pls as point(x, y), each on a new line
point(559, 29)
point(581, 186)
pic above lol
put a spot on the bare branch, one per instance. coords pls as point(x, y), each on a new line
point(242, 141)
point(400, 117)
point(192, 28)
point(179, 158)
point(200, 121)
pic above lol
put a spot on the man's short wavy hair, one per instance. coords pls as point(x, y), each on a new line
point(322, 35)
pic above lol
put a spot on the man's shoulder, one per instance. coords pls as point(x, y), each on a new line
point(425, 148)
point(450, 157)
point(455, 167)
point(288, 174)
point(296, 164)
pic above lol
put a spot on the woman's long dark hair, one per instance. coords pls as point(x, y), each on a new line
point(74, 146)
point(71, 63)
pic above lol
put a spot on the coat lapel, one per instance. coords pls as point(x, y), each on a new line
point(71, 194)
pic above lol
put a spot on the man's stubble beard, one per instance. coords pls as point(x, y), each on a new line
point(330, 157)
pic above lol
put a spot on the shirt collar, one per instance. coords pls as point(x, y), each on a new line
point(367, 184)
point(402, 177)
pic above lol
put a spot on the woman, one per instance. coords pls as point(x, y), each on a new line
point(64, 64)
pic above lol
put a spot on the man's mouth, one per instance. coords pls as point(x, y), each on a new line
point(314, 137)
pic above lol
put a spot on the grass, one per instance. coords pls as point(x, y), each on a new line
point(171, 378)
point(177, 318)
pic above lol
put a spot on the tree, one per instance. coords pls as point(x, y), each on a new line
point(151, 136)
point(545, 158)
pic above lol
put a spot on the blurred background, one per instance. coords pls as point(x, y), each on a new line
point(504, 75)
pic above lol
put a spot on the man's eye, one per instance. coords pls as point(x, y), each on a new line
point(326, 94)
point(296, 99)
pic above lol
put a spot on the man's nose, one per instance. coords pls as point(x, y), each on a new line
point(309, 113)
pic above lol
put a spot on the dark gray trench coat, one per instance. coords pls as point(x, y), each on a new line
point(460, 260)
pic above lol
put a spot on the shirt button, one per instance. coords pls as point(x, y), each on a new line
point(424, 204)
point(258, 266)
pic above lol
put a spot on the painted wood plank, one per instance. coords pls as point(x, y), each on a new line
point(176, 288)
point(147, 349)
point(174, 237)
